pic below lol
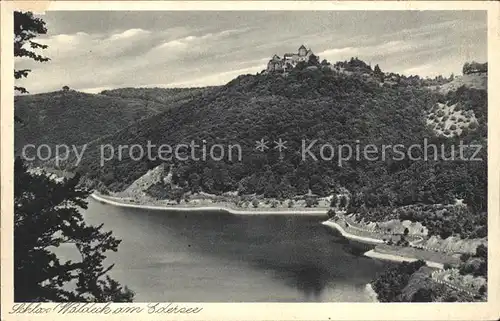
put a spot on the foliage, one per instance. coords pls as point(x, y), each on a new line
point(354, 65)
point(313, 60)
point(160, 95)
point(474, 67)
point(311, 201)
point(476, 264)
point(446, 220)
point(26, 28)
point(390, 284)
point(47, 216)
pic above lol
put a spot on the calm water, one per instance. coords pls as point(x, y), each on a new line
point(172, 256)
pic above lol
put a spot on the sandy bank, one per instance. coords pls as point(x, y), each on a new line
point(117, 202)
point(398, 258)
point(352, 236)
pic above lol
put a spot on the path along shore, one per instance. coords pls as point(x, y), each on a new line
point(257, 211)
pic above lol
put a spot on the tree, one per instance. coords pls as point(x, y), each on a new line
point(406, 231)
point(46, 215)
point(313, 60)
point(342, 201)
point(378, 73)
point(466, 68)
point(255, 203)
point(194, 182)
point(65, 88)
point(27, 27)
point(300, 65)
point(483, 289)
point(423, 295)
point(482, 251)
point(176, 194)
point(334, 200)
point(311, 201)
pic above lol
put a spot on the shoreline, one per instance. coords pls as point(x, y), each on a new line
point(373, 253)
point(351, 236)
point(209, 208)
point(398, 258)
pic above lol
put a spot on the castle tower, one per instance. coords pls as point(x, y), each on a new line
point(302, 51)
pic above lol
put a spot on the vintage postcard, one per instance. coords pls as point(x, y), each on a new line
point(250, 160)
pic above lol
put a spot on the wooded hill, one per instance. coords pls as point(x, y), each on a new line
point(72, 117)
point(321, 104)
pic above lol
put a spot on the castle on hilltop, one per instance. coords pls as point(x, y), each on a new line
point(289, 60)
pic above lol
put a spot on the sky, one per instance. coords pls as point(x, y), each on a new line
point(96, 50)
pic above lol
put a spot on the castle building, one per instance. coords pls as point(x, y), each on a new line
point(289, 60)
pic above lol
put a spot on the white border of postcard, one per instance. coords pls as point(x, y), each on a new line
point(261, 311)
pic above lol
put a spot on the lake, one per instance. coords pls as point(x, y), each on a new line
point(218, 257)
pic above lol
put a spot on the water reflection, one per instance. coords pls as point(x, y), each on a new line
point(311, 280)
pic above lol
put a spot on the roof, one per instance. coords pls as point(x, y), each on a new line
point(302, 47)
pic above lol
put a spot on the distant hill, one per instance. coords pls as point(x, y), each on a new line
point(73, 117)
point(160, 95)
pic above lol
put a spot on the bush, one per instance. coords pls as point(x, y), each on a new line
point(482, 289)
point(333, 202)
point(311, 201)
point(390, 284)
point(482, 251)
point(255, 203)
point(453, 127)
point(465, 257)
point(331, 213)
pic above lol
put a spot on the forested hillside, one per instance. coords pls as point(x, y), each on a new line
point(160, 95)
point(72, 117)
point(321, 105)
